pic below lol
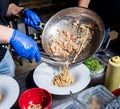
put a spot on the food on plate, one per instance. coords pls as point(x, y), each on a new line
point(35, 106)
point(63, 79)
point(93, 64)
point(1, 96)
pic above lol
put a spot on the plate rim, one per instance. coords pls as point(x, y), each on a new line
point(88, 79)
point(15, 94)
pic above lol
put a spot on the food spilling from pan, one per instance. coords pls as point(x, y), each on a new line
point(68, 46)
point(63, 78)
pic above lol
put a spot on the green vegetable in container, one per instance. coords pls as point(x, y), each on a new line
point(93, 64)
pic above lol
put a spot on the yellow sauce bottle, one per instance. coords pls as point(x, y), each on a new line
point(112, 77)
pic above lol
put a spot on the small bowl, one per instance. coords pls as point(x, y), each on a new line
point(93, 61)
point(98, 73)
point(35, 96)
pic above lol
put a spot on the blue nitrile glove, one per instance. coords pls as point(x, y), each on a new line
point(31, 18)
point(24, 46)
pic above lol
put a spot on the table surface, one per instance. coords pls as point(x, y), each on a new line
point(25, 82)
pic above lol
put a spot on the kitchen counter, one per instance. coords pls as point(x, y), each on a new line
point(25, 82)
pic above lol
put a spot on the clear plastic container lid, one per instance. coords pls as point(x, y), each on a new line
point(96, 98)
point(69, 105)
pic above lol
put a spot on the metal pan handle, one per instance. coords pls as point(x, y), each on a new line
point(42, 25)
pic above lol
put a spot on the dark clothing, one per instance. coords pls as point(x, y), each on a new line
point(3, 9)
point(108, 10)
point(3, 20)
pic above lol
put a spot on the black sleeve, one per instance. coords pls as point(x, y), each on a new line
point(13, 1)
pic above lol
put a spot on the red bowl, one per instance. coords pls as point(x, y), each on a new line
point(35, 96)
point(116, 92)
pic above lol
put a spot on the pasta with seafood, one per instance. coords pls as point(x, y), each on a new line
point(35, 106)
point(63, 79)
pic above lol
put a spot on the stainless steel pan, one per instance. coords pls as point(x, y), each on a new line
point(57, 22)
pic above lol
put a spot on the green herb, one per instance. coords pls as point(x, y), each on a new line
point(93, 64)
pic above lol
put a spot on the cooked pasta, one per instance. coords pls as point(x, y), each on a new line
point(1, 96)
point(35, 106)
point(71, 45)
point(63, 79)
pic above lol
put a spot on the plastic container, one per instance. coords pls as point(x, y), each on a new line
point(95, 66)
point(93, 98)
point(96, 98)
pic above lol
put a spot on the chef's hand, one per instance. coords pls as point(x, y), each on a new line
point(24, 46)
point(31, 18)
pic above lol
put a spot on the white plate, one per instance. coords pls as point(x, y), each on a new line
point(44, 73)
point(10, 89)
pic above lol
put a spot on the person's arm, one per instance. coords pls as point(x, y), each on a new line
point(23, 45)
point(29, 17)
point(14, 10)
point(5, 34)
point(83, 3)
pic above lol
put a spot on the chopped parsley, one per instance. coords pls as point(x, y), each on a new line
point(93, 64)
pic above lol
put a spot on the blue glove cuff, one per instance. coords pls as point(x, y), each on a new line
point(23, 11)
point(24, 46)
point(13, 37)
